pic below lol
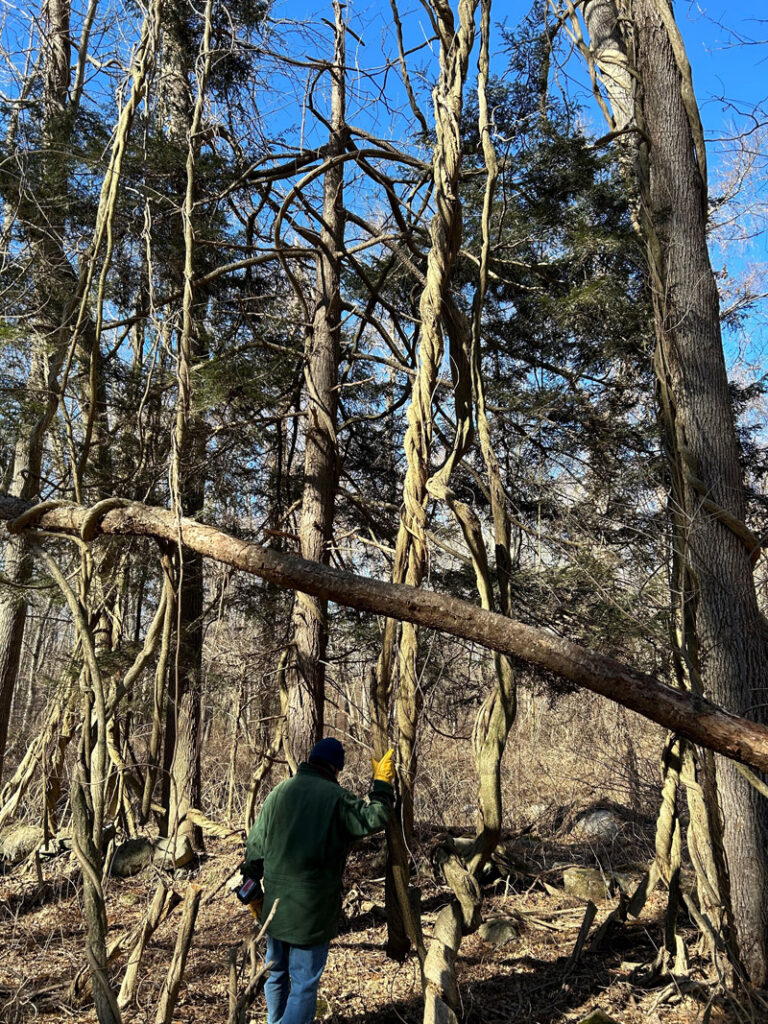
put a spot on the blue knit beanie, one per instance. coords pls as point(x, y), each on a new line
point(329, 750)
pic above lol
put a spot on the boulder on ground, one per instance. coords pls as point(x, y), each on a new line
point(499, 930)
point(600, 824)
point(131, 857)
point(588, 883)
point(18, 841)
point(173, 853)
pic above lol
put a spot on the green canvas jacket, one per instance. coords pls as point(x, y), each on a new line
point(303, 835)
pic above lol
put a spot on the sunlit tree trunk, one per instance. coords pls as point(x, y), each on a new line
point(54, 283)
point(305, 675)
point(643, 62)
point(456, 43)
point(182, 113)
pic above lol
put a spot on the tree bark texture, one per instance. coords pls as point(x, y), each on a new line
point(95, 914)
point(728, 627)
point(13, 617)
point(170, 990)
point(688, 714)
point(305, 674)
point(42, 219)
point(456, 41)
point(708, 493)
point(445, 239)
point(497, 713)
point(181, 778)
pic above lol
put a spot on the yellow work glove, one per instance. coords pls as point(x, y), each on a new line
point(384, 770)
point(256, 907)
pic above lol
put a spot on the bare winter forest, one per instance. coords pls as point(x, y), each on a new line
point(362, 374)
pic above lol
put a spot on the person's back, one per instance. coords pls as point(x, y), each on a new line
point(301, 821)
point(303, 835)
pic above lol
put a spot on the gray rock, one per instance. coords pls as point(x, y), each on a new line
point(588, 883)
point(625, 881)
point(499, 930)
point(18, 841)
point(131, 857)
point(170, 853)
point(600, 824)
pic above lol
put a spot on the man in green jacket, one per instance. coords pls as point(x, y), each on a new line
point(303, 835)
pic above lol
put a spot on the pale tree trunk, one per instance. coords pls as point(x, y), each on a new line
point(183, 117)
point(670, 170)
point(411, 553)
point(159, 690)
point(497, 713)
point(495, 718)
point(90, 857)
point(89, 798)
point(305, 674)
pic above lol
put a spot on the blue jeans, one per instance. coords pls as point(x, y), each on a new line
point(291, 987)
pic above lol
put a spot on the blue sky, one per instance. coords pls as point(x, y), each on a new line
point(728, 49)
point(727, 55)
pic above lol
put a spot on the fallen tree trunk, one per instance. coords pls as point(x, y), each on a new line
point(686, 714)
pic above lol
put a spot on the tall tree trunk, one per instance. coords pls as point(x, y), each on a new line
point(182, 738)
point(670, 173)
point(305, 675)
point(89, 792)
point(411, 552)
point(495, 718)
point(43, 217)
point(159, 689)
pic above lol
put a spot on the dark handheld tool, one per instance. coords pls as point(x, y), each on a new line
point(250, 892)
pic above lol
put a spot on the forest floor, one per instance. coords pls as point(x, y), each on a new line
point(528, 979)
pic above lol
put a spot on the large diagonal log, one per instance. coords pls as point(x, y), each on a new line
point(683, 713)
